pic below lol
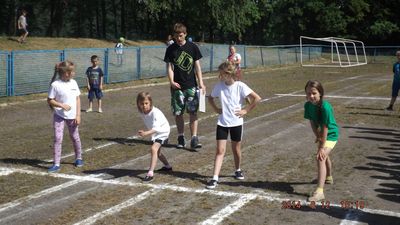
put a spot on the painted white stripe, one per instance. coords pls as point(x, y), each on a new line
point(337, 96)
point(38, 207)
point(266, 196)
point(351, 218)
point(37, 195)
point(119, 207)
point(40, 194)
point(5, 172)
point(228, 210)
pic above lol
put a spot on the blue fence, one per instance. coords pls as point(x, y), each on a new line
point(27, 72)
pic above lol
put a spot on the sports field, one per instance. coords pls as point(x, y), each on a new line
point(278, 158)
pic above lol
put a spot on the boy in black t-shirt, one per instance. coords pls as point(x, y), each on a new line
point(185, 77)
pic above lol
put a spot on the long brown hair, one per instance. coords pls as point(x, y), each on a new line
point(317, 85)
point(141, 97)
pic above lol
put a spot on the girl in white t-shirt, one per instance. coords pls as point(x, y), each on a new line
point(63, 98)
point(158, 127)
point(232, 95)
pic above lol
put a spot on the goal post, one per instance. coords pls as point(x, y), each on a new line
point(331, 52)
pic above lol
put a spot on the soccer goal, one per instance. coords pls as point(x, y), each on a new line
point(331, 52)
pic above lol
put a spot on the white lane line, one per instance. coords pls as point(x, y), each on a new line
point(117, 208)
point(228, 210)
point(113, 142)
point(46, 204)
point(40, 194)
point(337, 96)
point(351, 218)
point(5, 172)
point(265, 196)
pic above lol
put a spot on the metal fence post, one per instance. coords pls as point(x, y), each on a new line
point(62, 55)
point(211, 57)
point(244, 57)
point(10, 82)
point(262, 58)
point(106, 66)
point(138, 52)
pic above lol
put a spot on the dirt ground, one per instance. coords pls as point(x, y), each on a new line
point(278, 158)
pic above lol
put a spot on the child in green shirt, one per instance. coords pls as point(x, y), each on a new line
point(322, 121)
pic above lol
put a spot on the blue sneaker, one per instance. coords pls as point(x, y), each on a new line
point(79, 163)
point(53, 169)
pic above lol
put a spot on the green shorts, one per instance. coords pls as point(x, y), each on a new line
point(181, 99)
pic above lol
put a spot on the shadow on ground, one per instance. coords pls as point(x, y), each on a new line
point(387, 162)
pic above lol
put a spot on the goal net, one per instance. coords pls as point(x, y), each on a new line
point(331, 52)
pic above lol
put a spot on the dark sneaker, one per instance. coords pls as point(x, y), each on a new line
point(239, 175)
point(79, 163)
point(390, 108)
point(194, 143)
point(164, 169)
point(147, 178)
point(212, 184)
point(181, 142)
point(53, 169)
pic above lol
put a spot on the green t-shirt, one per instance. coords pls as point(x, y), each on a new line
point(328, 118)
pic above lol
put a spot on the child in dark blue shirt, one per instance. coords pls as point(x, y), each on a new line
point(94, 83)
point(396, 81)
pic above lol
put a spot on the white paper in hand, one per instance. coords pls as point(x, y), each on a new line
point(202, 102)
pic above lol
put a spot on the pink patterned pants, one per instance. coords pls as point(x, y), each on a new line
point(58, 124)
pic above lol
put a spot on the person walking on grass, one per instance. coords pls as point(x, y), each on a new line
point(323, 124)
point(22, 27)
point(158, 127)
point(94, 78)
point(396, 81)
point(232, 95)
point(185, 77)
point(63, 99)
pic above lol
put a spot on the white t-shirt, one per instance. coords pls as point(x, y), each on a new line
point(156, 120)
point(65, 92)
point(119, 48)
point(22, 22)
point(231, 98)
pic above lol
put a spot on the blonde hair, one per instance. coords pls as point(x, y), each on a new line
point(229, 68)
point(62, 68)
point(142, 96)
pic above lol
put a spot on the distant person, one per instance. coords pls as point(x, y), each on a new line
point(323, 124)
point(235, 58)
point(396, 81)
point(119, 50)
point(231, 95)
point(22, 27)
point(158, 127)
point(94, 78)
point(170, 40)
point(63, 98)
point(185, 77)
point(190, 39)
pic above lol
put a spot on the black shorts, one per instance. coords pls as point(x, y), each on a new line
point(235, 133)
point(162, 142)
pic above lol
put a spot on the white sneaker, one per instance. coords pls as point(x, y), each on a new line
point(89, 110)
point(100, 110)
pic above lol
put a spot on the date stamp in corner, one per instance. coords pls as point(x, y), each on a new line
point(324, 204)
